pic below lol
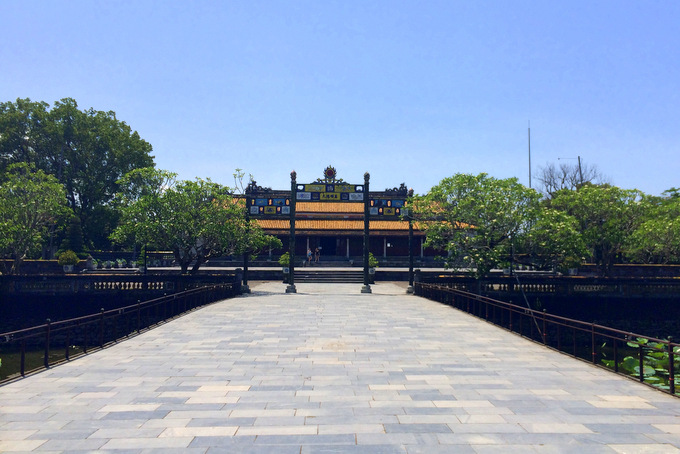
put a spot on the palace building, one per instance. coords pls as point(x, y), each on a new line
point(329, 214)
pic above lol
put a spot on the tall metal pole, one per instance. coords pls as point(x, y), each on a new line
point(367, 213)
point(580, 172)
point(291, 266)
point(529, 154)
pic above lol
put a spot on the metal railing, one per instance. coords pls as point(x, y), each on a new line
point(652, 361)
point(32, 349)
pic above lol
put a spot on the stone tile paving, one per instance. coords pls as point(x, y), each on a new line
point(332, 370)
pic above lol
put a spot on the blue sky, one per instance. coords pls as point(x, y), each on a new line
point(410, 91)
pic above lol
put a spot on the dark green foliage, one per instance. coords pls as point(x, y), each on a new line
point(87, 151)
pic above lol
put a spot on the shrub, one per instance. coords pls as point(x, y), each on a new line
point(68, 258)
point(284, 260)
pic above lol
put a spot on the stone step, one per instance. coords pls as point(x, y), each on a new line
point(329, 276)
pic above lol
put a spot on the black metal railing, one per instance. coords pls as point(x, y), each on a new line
point(153, 284)
point(541, 284)
point(39, 347)
point(652, 361)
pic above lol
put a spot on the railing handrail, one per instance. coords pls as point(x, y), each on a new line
point(107, 312)
point(593, 330)
point(79, 329)
point(536, 312)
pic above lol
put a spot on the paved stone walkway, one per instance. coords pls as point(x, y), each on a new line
point(332, 370)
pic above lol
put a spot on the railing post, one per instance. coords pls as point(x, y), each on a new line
point(641, 365)
point(84, 338)
point(68, 342)
point(23, 358)
point(101, 328)
point(559, 337)
point(139, 315)
point(592, 340)
point(616, 355)
point(544, 333)
point(671, 366)
point(46, 358)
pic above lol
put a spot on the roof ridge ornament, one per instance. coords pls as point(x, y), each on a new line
point(254, 188)
point(329, 176)
point(401, 190)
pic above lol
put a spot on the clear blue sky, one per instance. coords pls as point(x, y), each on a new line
point(410, 91)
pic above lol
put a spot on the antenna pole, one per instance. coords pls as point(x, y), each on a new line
point(529, 154)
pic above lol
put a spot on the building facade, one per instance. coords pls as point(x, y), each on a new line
point(329, 215)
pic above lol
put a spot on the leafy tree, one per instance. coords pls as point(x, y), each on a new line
point(24, 134)
point(30, 203)
point(74, 236)
point(607, 216)
point(196, 220)
point(657, 238)
point(474, 218)
point(88, 151)
point(554, 241)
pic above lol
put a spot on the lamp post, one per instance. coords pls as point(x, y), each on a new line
point(409, 216)
point(291, 266)
point(367, 212)
point(246, 252)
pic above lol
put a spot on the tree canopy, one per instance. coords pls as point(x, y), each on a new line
point(657, 237)
point(475, 218)
point(30, 203)
point(196, 220)
point(87, 151)
point(607, 216)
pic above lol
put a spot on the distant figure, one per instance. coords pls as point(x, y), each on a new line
point(309, 256)
point(317, 253)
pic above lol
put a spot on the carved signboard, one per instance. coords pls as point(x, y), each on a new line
point(330, 189)
point(270, 206)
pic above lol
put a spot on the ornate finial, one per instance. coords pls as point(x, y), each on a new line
point(330, 176)
point(293, 176)
point(367, 176)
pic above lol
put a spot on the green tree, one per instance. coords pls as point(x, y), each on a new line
point(73, 239)
point(196, 220)
point(24, 135)
point(554, 241)
point(30, 203)
point(88, 151)
point(476, 218)
point(607, 216)
point(657, 238)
